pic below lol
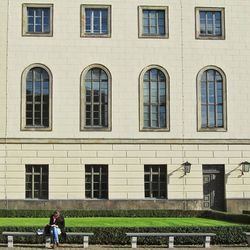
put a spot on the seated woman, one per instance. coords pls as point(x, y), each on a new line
point(57, 225)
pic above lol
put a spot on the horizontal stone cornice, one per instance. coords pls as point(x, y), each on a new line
point(122, 141)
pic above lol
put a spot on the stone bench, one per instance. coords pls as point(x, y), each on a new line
point(10, 237)
point(206, 236)
point(85, 237)
point(248, 237)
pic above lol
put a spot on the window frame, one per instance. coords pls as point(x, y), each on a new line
point(83, 126)
point(159, 183)
point(32, 182)
point(141, 100)
point(140, 22)
point(99, 179)
point(24, 127)
point(197, 23)
point(83, 20)
point(199, 110)
point(25, 31)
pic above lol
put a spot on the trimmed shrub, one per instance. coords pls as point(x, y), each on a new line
point(238, 218)
point(117, 236)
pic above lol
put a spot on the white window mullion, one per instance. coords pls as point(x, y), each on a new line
point(92, 182)
point(157, 23)
point(33, 185)
point(42, 21)
point(34, 20)
point(158, 101)
point(100, 100)
point(92, 21)
point(33, 97)
point(207, 104)
point(215, 101)
point(213, 23)
point(92, 101)
point(100, 16)
point(41, 115)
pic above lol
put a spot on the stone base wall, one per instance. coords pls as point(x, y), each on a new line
point(102, 204)
point(237, 205)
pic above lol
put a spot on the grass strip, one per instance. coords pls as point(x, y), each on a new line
point(117, 222)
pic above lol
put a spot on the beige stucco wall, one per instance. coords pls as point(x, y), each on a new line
point(3, 64)
point(126, 168)
point(125, 55)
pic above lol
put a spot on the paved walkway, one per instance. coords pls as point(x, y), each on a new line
point(104, 247)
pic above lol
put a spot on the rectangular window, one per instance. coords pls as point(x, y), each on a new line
point(37, 19)
point(210, 23)
point(96, 181)
point(153, 22)
point(155, 181)
point(36, 181)
point(96, 20)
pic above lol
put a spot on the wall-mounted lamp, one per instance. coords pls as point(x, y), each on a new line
point(187, 167)
point(245, 167)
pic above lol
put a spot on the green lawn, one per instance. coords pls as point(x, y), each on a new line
point(116, 222)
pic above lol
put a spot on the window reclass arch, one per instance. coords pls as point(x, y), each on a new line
point(211, 105)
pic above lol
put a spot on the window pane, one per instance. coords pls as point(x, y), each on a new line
point(99, 175)
point(211, 113)
point(203, 92)
point(218, 23)
point(154, 99)
point(210, 23)
point(96, 85)
point(96, 21)
point(155, 184)
point(37, 98)
point(36, 185)
point(204, 116)
point(202, 22)
point(153, 22)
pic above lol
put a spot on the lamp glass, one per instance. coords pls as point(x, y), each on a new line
point(245, 166)
point(187, 167)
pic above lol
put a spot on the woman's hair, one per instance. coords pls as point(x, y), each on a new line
point(57, 212)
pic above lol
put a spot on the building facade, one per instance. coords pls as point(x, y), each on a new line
point(125, 104)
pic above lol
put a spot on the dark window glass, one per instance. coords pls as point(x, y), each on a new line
point(210, 23)
point(36, 181)
point(96, 21)
point(38, 20)
point(154, 22)
point(37, 98)
point(211, 87)
point(96, 181)
point(155, 181)
point(96, 98)
point(154, 87)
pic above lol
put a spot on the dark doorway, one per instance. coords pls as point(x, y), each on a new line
point(214, 187)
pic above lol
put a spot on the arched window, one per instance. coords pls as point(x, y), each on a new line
point(95, 98)
point(154, 99)
point(212, 99)
point(36, 95)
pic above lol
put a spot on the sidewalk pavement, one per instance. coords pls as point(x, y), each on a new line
point(114, 247)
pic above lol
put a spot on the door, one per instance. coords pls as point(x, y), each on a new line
point(213, 187)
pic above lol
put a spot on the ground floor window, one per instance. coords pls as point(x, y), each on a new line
point(96, 181)
point(155, 181)
point(36, 181)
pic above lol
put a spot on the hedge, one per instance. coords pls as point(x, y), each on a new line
point(117, 236)
point(238, 218)
point(103, 213)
